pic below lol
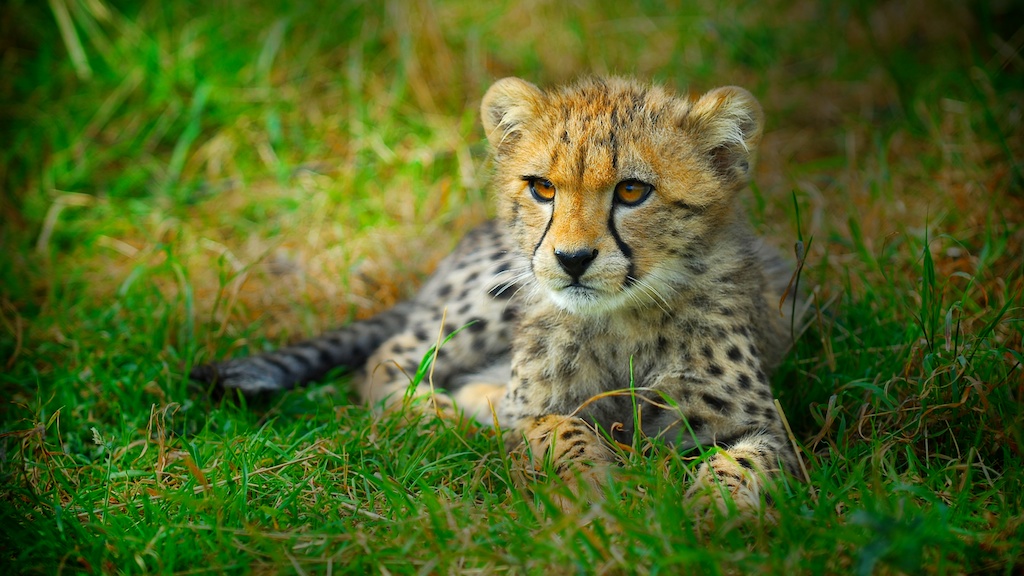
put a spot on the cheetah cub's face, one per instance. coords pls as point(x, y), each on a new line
point(615, 191)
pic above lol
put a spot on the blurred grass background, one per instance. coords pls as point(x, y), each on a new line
point(183, 181)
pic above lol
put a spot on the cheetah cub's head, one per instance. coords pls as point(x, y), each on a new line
point(614, 191)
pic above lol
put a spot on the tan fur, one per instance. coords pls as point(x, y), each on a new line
point(679, 292)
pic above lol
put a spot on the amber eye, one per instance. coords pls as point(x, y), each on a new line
point(542, 189)
point(632, 192)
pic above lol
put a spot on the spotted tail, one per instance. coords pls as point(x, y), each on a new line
point(348, 347)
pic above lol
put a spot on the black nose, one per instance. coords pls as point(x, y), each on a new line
point(575, 263)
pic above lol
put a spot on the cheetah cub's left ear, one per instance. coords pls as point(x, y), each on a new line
point(726, 125)
point(507, 105)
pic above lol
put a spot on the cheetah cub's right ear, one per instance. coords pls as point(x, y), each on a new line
point(726, 125)
point(508, 104)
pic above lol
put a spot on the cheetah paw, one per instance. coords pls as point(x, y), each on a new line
point(725, 483)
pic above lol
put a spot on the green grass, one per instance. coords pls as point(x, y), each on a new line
point(184, 181)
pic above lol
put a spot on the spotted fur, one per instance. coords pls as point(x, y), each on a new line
point(621, 292)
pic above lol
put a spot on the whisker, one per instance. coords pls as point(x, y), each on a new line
point(651, 292)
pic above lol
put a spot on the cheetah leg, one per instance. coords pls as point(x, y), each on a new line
point(389, 371)
point(479, 400)
point(475, 402)
point(571, 447)
point(739, 473)
point(387, 385)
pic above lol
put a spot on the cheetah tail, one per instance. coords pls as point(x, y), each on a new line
point(348, 347)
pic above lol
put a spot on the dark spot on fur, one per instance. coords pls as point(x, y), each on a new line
point(571, 433)
point(480, 342)
point(708, 352)
point(719, 404)
point(696, 267)
point(734, 354)
point(724, 475)
point(662, 344)
point(324, 356)
point(577, 445)
point(536, 348)
point(715, 370)
point(745, 462)
point(696, 423)
point(701, 301)
point(477, 325)
point(745, 381)
point(565, 368)
point(577, 452)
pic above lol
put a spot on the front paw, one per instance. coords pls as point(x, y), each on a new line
point(567, 448)
point(727, 481)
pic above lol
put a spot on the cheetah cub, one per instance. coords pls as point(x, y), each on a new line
point(620, 292)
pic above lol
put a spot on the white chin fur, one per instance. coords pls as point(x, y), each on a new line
point(585, 302)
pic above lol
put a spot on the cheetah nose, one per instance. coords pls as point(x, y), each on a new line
point(575, 263)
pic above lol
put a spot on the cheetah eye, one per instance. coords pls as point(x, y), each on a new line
point(632, 192)
point(541, 188)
